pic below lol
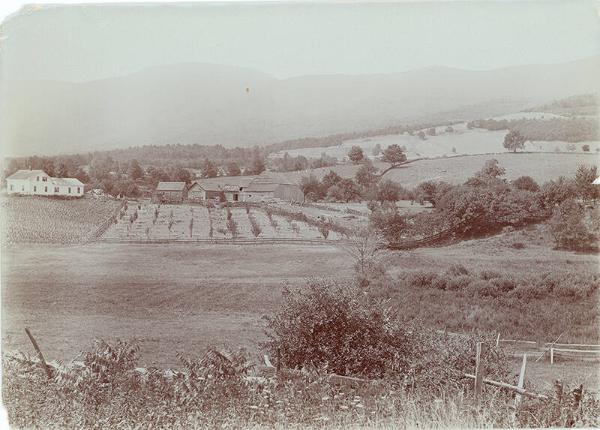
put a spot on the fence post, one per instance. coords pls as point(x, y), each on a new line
point(551, 355)
point(39, 353)
point(498, 340)
point(479, 373)
point(521, 384)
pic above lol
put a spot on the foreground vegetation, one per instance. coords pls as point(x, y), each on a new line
point(417, 379)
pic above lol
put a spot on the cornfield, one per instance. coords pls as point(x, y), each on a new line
point(47, 220)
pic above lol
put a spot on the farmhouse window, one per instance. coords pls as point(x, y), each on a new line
point(44, 179)
point(78, 191)
point(38, 179)
point(11, 187)
point(56, 189)
point(34, 189)
point(22, 187)
point(69, 190)
point(45, 189)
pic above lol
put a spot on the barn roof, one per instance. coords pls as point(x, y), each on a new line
point(262, 184)
point(261, 188)
point(26, 174)
point(170, 186)
point(596, 181)
point(226, 183)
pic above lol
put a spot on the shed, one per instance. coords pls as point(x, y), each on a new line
point(170, 192)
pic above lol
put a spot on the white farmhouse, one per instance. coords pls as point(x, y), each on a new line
point(38, 183)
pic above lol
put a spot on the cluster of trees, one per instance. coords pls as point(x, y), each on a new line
point(288, 163)
point(487, 202)
point(555, 129)
point(190, 156)
point(366, 184)
point(393, 154)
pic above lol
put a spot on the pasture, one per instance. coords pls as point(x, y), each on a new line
point(542, 167)
point(184, 297)
point(460, 141)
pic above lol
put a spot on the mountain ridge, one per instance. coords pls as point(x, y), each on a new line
point(218, 104)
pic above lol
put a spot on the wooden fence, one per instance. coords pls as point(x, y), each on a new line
point(553, 350)
point(231, 241)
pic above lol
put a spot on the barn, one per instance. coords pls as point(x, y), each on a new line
point(170, 192)
point(39, 183)
point(267, 187)
point(229, 187)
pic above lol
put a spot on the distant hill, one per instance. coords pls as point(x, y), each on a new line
point(214, 104)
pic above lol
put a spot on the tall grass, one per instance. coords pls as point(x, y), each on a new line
point(216, 391)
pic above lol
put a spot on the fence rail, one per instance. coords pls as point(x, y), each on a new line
point(237, 241)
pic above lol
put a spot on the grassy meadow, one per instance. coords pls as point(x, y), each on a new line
point(541, 166)
point(181, 297)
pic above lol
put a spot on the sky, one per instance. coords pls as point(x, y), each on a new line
point(94, 41)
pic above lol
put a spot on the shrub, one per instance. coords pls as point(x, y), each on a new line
point(459, 283)
point(324, 229)
point(504, 284)
point(526, 183)
point(487, 274)
point(232, 227)
point(254, 226)
point(336, 327)
point(420, 279)
point(518, 245)
point(439, 283)
point(484, 288)
point(456, 270)
point(568, 228)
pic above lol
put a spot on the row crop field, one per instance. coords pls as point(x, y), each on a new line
point(51, 220)
point(142, 221)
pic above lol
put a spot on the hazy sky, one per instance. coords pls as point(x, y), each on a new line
point(80, 43)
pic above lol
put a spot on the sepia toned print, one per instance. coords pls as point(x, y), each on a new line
point(300, 215)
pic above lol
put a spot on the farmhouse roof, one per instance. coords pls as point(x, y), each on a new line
point(72, 182)
point(26, 174)
point(596, 181)
point(170, 186)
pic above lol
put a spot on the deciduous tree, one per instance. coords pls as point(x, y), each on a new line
point(514, 140)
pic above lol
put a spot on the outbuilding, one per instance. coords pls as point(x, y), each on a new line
point(170, 192)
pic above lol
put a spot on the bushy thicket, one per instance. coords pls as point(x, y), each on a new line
point(538, 306)
point(486, 203)
point(569, 229)
point(562, 285)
